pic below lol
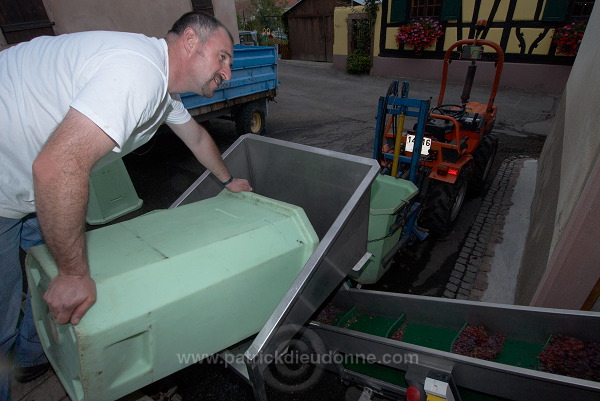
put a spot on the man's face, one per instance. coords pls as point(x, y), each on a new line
point(212, 64)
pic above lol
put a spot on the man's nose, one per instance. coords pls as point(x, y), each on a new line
point(225, 73)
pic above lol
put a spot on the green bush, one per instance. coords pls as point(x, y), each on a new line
point(358, 63)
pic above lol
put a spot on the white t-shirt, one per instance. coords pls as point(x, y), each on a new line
point(118, 80)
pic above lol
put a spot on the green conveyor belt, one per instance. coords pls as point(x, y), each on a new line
point(514, 353)
point(370, 323)
point(429, 336)
point(381, 372)
point(519, 353)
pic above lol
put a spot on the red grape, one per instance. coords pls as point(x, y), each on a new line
point(474, 341)
point(568, 356)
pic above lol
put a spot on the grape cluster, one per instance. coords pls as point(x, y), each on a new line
point(398, 334)
point(571, 357)
point(476, 342)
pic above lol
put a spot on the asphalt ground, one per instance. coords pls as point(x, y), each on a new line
point(322, 107)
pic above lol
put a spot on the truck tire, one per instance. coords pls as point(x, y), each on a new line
point(250, 118)
point(483, 158)
point(443, 202)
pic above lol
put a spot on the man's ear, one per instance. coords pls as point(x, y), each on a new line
point(190, 40)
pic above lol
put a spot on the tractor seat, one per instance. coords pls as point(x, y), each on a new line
point(438, 129)
point(472, 122)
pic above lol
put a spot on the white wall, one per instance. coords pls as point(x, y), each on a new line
point(116, 15)
point(561, 255)
point(152, 18)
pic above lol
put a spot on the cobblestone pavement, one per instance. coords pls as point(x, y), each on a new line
point(468, 280)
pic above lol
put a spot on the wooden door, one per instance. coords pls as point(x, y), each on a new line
point(24, 20)
point(311, 38)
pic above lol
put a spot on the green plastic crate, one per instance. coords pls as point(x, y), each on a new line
point(112, 194)
point(388, 196)
point(174, 284)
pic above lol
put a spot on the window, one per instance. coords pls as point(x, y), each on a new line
point(401, 10)
point(558, 10)
point(582, 9)
point(425, 8)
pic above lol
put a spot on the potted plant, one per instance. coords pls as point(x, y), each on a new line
point(419, 33)
point(568, 38)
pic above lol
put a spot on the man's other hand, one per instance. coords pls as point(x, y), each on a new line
point(239, 185)
point(69, 297)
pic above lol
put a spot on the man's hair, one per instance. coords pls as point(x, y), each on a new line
point(203, 24)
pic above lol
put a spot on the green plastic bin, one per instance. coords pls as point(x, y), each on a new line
point(112, 194)
point(174, 287)
point(388, 196)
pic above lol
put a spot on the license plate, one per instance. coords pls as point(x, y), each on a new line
point(410, 144)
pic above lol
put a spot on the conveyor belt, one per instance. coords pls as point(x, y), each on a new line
point(430, 326)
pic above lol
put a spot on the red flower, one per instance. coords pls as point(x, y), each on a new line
point(419, 34)
point(568, 38)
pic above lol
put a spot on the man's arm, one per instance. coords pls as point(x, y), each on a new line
point(61, 182)
point(202, 145)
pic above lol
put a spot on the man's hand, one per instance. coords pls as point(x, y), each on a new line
point(239, 185)
point(70, 297)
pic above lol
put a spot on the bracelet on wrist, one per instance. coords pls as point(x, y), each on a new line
point(225, 183)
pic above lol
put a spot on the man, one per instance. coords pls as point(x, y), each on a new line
point(72, 103)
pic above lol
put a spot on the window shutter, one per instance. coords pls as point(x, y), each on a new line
point(451, 10)
point(555, 10)
point(398, 13)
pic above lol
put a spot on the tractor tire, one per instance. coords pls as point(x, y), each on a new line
point(250, 118)
point(443, 202)
point(483, 158)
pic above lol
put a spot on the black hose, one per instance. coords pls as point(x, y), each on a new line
point(468, 83)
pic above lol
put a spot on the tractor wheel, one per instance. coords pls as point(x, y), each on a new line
point(443, 202)
point(483, 158)
point(250, 119)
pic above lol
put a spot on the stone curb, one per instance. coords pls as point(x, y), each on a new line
point(468, 279)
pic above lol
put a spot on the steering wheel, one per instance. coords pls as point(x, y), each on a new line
point(450, 110)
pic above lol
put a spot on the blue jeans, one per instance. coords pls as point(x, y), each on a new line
point(20, 336)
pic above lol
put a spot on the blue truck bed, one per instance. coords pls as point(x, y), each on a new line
point(254, 79)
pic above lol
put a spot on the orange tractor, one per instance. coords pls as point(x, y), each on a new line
point(451, 147)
